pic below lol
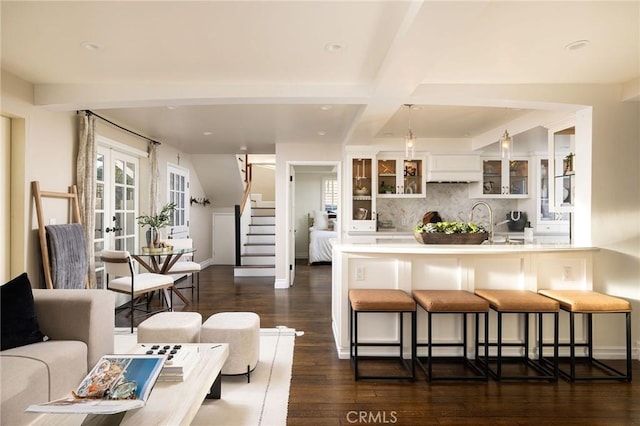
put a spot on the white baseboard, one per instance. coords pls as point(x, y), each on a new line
point(206, 263)
point(281, 283)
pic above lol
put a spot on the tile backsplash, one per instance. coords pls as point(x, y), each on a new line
point(450, 200)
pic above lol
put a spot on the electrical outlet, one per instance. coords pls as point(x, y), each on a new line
point(359, 273)
point(52, 221)
point(566, 273)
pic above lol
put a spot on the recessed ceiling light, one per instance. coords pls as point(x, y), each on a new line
point(322, 133)
point(243, 148)
point(387, 134)
point(334, 46)
point(92, 46)
point(577, 45)
point(171, 107)
point(326, 107)
point(207, 133)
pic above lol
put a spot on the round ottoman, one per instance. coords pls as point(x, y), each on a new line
point(171, 327)
point(241, 330)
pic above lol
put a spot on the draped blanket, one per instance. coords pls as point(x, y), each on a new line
point(67, 255)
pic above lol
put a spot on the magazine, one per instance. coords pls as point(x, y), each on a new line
point(116, 383)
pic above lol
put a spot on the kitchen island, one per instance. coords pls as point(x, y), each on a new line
point(402, 263)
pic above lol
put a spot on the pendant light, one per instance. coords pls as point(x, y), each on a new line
point(505, 145)
point(409, 139)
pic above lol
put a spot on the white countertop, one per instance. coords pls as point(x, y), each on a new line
point(372, 244)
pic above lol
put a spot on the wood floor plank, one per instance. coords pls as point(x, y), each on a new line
point(323, 391)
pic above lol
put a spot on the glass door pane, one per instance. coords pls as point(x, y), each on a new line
point(387, 175)
point(412, 177)
point(519, 177)
point(492, 177)
point(361, 185)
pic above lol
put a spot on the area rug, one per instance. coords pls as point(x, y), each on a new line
point(263, 401)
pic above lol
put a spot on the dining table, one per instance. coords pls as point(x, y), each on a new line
point(160, 261)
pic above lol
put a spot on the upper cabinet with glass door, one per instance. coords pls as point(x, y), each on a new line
point(504, 178)
point(400, 178)
point(362, 198)
point(548, 221)
point(562, 166)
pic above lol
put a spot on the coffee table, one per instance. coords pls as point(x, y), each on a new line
point(170, 403)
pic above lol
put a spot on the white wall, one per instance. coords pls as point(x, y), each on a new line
point(263, 181)
point(42, 148)
point(200, 224)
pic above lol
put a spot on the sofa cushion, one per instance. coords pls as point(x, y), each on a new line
point(38, 373)
point(25, 381)
point(18, 322)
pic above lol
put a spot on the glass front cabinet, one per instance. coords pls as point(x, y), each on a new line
point(400, 178)
point(562, 162)
point(548, 220)
point(502, 178)
point(362, 195)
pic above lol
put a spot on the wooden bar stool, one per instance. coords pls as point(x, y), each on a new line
point(381, 301)
point(453, 302)
point(587, 303)
point(522, 303)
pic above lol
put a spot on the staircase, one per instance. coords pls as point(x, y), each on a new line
point(259, 251)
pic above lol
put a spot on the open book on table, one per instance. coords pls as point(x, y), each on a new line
point(117, 383)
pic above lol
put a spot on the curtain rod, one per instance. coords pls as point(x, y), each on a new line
point(89, 112)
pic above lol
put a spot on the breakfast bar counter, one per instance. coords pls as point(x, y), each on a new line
point(402, 263)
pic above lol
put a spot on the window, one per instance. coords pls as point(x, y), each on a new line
point(329, 194)
point(178, 193)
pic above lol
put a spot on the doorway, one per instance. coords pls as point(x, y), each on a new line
point(5, 211)
point(311, 181)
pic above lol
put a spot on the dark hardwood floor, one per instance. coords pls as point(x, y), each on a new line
point(323, 391)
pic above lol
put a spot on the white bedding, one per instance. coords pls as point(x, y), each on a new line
point(320, 244)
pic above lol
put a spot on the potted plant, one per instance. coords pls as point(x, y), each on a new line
point(387, 188)
point(156, 222)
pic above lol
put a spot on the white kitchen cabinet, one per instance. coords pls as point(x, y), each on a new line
point(562, 162)
point(503, 178)
point(454, 168)
point(400, 177)
point(361, 198)
point(548, 221)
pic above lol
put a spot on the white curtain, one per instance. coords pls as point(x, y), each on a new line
point(153, 178)
point(86, 182)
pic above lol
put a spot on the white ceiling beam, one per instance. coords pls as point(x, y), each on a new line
point(69, 97)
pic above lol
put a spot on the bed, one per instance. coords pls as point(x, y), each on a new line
point(321, 233)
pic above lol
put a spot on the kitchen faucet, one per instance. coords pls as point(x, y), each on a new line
point(490, 217)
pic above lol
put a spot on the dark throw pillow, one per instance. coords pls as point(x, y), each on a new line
point(18, 315)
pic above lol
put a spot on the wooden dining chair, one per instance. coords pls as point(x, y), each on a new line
point(186, 266)
point(122, 278)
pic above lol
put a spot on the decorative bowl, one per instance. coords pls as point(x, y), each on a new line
point(442, 238)
point(361, 191)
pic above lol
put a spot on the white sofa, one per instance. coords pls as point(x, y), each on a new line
point(80, 325)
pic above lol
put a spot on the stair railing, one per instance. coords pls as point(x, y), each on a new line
point(242, 213)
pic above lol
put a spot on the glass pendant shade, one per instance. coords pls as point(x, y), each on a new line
point(505, 145)
point(409, 145)
point(409, 139)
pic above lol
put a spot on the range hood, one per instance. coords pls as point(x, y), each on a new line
point(454, 168)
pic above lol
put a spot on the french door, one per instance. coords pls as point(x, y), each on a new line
point(117, 183)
